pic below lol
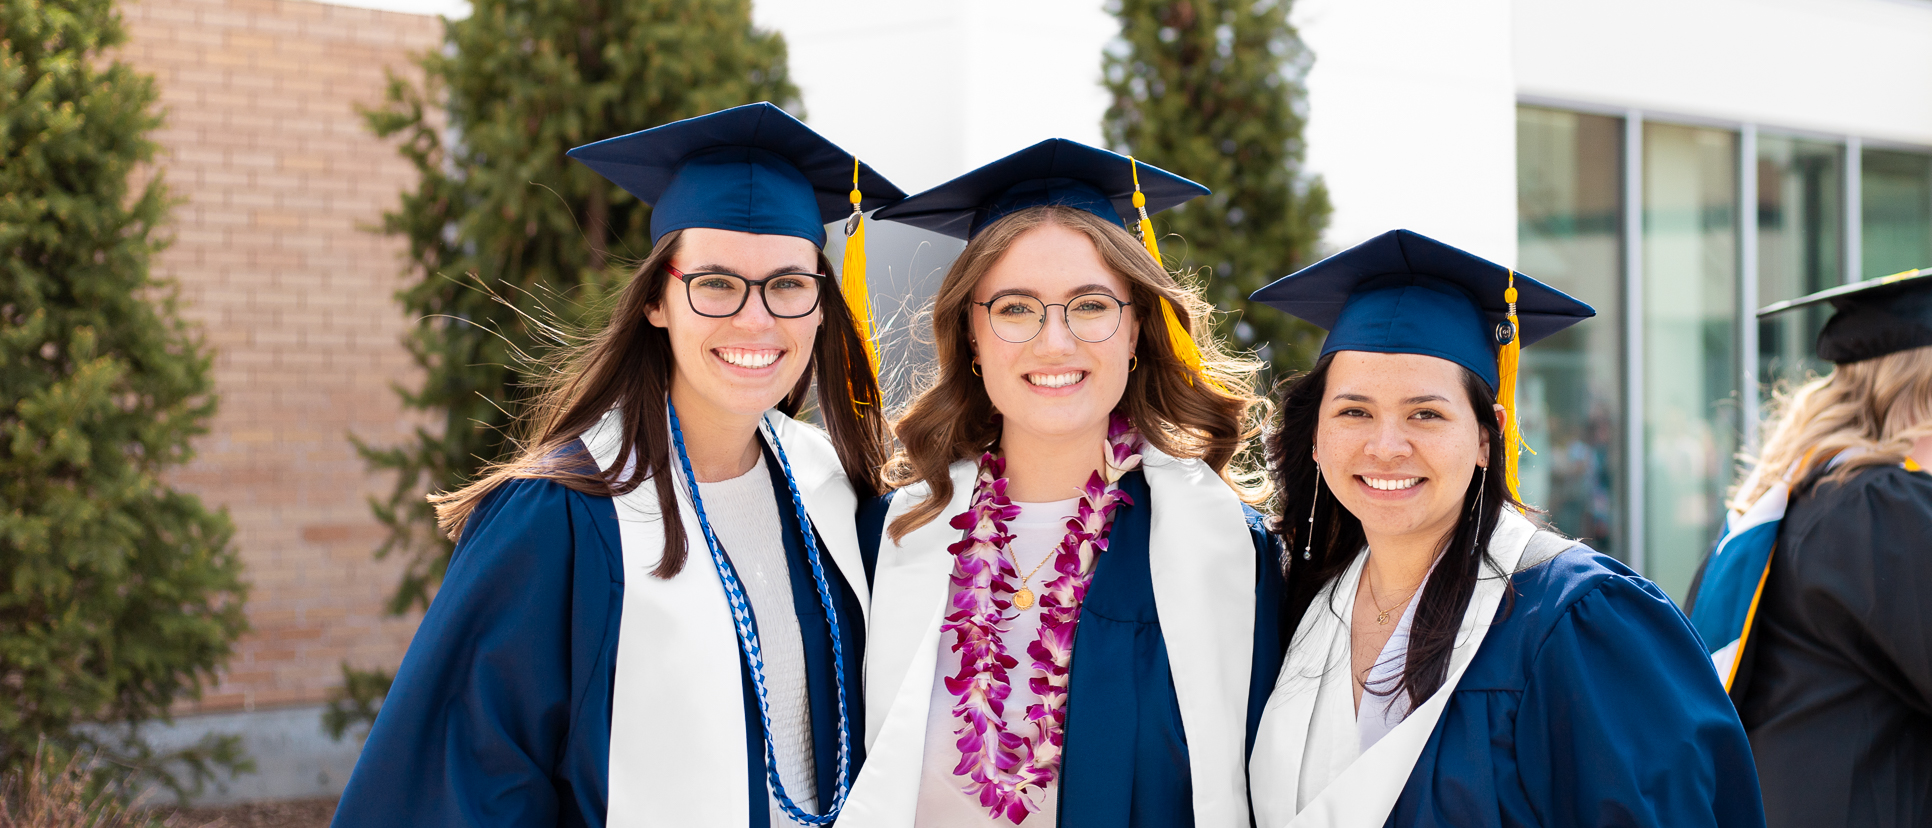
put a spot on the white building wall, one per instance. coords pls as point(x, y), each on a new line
point(1840, 67)
point(927, 90)
point(1412, 119)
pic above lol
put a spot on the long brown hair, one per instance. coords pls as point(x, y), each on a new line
point(1209, 417)
point(1305, 510)
point(628, 364)
point(1879, 406)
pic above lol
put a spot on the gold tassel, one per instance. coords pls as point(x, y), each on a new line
point(1506, 362)
point(852, 281)
point(1177, 337)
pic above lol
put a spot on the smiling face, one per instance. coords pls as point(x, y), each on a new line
point(1054, 386)
point(1398, 442)
point(742, 365)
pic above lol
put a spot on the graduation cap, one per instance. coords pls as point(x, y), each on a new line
point(1058, 172)
point(1405, 293)
point(1873, 318)
point(1054, 171)
point(753, 169)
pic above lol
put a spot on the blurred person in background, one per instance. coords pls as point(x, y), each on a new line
point(1815, 603)
point(656, 611)
point(1069, 587)
point(1454, 664)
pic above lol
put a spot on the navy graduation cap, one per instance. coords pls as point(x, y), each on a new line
point(754, 169)
point(1054, 171)
point(1873, 318)
point(751, 168)
point(1405, 293)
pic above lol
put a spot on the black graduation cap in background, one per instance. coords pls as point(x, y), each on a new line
point(1874, 317)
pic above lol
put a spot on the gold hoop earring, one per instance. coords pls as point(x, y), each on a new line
point(1133, 361)
point(976, 369)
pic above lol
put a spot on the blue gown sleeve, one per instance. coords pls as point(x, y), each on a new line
point(476, 722)
point(1623, 721)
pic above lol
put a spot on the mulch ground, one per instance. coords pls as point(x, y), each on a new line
point(291, 813)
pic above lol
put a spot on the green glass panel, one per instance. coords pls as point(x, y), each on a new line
point(1897, 211)
point(1569, 209)
point(1689, 367)
point(1801, 219)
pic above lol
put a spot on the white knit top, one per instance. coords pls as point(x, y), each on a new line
point(744, 513)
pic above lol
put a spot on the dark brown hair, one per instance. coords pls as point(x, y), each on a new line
point(1210, 416)
point(628, 364)
point(1338, 534)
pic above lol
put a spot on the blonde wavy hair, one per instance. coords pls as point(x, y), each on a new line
point(1878, 407)
point(1213, 418)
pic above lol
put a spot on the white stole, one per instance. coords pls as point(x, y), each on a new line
point(1364, 791)
point(677, 735)
point(1203, 565)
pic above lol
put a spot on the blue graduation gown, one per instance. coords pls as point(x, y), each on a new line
point(1126, 758)
point(1591, 702)
point(500, 714)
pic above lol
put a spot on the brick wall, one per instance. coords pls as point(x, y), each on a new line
point(280, 180)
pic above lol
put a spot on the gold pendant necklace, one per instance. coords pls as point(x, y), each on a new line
point(1023, 597)
point(1383, 616)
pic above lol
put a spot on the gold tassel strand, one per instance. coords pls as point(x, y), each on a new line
point(1177, 337)
point(858, 299)
point(1506, 363)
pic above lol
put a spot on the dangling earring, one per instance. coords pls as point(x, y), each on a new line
point(1133, 362)
point(1480, 487)
point(1306, 549)
point(976, 369)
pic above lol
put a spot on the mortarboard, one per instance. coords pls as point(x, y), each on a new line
point(1063, 173)
point(1873, 318)
point(1405, 293)
point(753, 169)
point(1054, 171)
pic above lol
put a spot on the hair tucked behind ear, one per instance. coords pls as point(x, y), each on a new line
point(1338, 536)
point(628, 364)
point(1209, 417)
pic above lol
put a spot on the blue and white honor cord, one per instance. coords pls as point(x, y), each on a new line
point(747, 627)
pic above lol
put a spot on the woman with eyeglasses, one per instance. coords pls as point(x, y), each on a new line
point(655, 613)
point(1068, 589)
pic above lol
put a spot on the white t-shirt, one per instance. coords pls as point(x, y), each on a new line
point(943, 801)
point(744, 513)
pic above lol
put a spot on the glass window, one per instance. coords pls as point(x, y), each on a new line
point(1801, 198)
point(1690, 343)
point(1569, 219)
point(1897, 211)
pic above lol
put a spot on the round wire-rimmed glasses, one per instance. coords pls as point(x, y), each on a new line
point(1017, 317)
point(720, 295)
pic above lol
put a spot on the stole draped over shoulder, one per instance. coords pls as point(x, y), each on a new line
point(516, 704)
point(1577, 695)
point(1181, 615)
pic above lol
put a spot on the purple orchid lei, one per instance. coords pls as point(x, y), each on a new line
point(1001, 766)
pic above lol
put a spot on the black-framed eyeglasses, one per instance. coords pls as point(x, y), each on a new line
point(1017, 317)
point(720, 295)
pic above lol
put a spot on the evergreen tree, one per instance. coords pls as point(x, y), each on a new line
point(121, 595)
point(510, 240)
point(503, 229)
point(1211, 89)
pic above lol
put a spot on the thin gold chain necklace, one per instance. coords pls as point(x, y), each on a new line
point(1382, 616)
